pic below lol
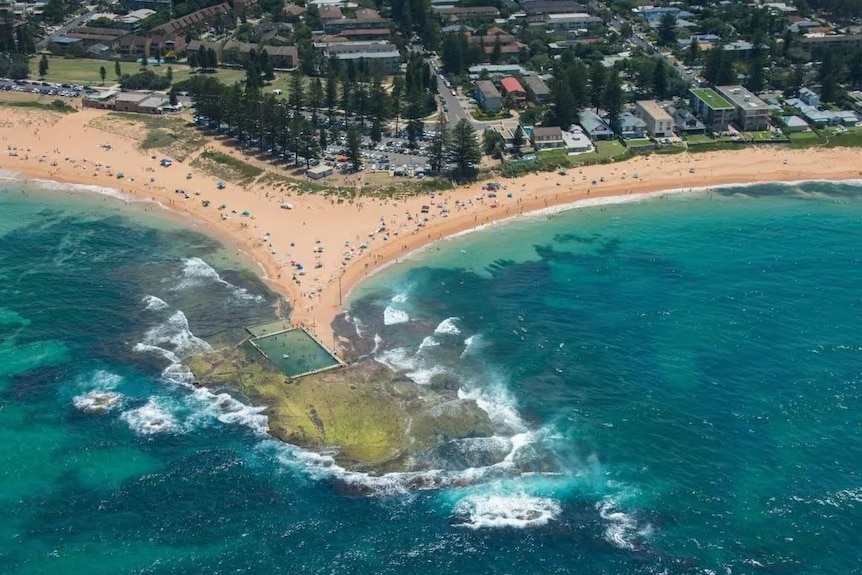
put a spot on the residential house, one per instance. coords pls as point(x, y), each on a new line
point(467, 13)
point(496, 38)
point(793, 124)
point(716, 112)
point(294, 11)
point(651, 15)
point(542, 7)
point(704, 41)
point(156, 5)
point(816, 40)
point(488, 96)
point(513, 90)
point(132, 47)
point(631, 127)
point(537, 90)
point(752, 113)
point(740, 49)
point(497, 70)
point(366, 19)
point(367, 34)
point(199, 20)
point(61, 45)
point(385, 53)
point(282, 57)
point(133, 20)
point(659, 124)
point(547, 138)
point(810, 97)
point(686, 122)
point(571, 21)
point(594, 126)
point(822, 118)
point(576, 141)
point(329, 13)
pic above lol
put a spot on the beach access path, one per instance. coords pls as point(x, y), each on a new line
point(338, 244)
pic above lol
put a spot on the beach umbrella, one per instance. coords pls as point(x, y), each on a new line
point(246, 213)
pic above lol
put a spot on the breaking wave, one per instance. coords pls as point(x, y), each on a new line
point(621, 528)
point(151, 418)
point(514, 511)
point(100, 397)
point(448, 327)
point(153, 303)
point(392, 316)
point(98, 402)
point(173, 340)
point(197, 273)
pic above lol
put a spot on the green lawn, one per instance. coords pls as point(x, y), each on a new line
point(608, 150)
point(806, 138)
point(86, 71)
point(711, 98)
point(698, 139)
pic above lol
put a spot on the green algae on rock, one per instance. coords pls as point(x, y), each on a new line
point(373, 417)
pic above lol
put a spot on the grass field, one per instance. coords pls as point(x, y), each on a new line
point(226, 167)
point(85, 71)
point(607, 150)
point(53, 105)
point(712, 98)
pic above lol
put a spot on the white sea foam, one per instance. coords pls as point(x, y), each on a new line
point(621, 528)
point(498, 404)
point(399, 298)
point(198, 273)
point(150, 419)
point(173, 340)
point(414, 366)
point(428, 342)
point(482, 511)
point(98, 401)
point(358, 326)
point(472, 345)
point(447, 326)
point(174, 335)
point(227, 409)
point(102, 190)
point(154, 303)
point(392, 316)
point(377, 341)
point(101, 380)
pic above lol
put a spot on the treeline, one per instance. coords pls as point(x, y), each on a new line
point(578, 85)
point(14, 66)
point(16, 39)
point(251, 115)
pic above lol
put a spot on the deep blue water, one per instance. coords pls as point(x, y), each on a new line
point(676, 383)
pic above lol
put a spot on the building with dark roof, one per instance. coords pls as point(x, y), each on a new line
point(198, 19)
point(537, 90)
point(594, 126)
point(547, 138)
point(488, 96)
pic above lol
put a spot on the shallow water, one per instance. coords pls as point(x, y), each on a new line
point(676, 383)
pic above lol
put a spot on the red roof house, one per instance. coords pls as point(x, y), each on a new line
point(513, 88)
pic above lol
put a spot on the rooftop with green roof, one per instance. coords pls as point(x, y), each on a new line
point(711, 98)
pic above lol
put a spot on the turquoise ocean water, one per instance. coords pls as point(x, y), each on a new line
point(676, 381)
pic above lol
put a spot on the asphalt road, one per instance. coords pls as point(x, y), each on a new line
point(75, 23)
point(455, 109)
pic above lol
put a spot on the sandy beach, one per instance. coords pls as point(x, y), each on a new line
point(340, 243)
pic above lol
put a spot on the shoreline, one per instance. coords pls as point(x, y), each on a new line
point(374, 233)
point(609, 200)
